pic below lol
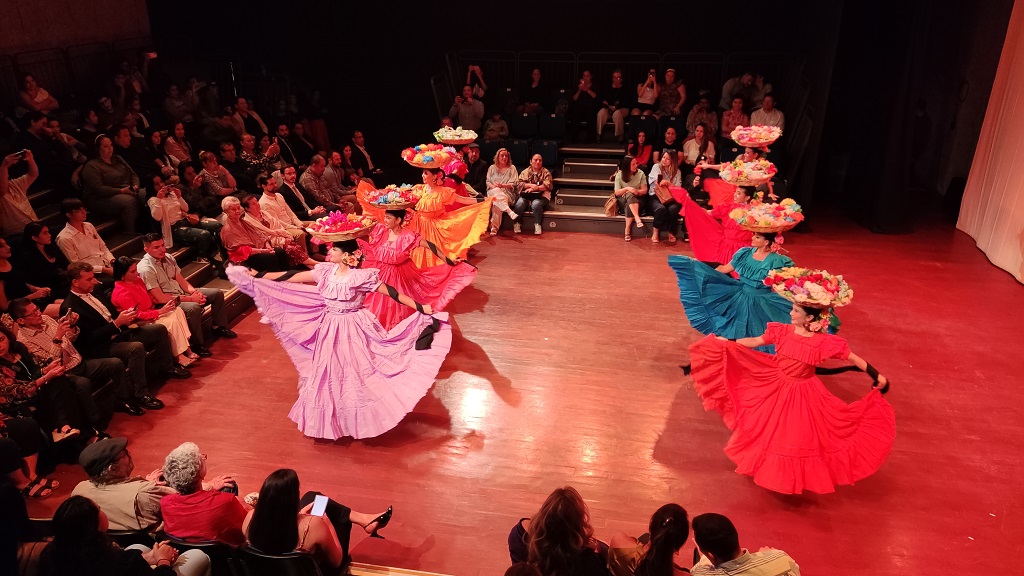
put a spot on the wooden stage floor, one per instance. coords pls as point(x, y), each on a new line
point(565, 371)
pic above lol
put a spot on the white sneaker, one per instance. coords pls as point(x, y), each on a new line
point(538, 229)
point(513, 215)
point(516, 228)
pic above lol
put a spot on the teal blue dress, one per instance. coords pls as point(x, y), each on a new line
point(716, 303)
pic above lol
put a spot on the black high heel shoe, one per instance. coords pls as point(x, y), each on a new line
point(381, 521)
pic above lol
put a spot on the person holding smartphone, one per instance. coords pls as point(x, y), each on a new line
point(646, 95)
point(323, 526)
point(15, 209)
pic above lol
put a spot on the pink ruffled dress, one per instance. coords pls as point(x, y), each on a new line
point(435, 285)
point(355, 378)
point(789, 432)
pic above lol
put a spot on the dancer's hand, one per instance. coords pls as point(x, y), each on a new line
point(428, 309)
point(882, 382)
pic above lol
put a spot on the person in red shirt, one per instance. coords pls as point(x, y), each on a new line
point(200, 511)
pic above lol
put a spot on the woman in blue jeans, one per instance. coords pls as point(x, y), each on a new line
point(534, 193)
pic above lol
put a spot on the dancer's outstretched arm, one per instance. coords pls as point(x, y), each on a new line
point(437, 252)
point(291, 276)
point(748, 342)
point(403, 299)
point(880, 381)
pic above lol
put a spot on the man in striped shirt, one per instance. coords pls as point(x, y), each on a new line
point(721, 554)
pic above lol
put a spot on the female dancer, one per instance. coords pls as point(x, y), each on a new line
point(710, 240)
point(355, 378)
point(789, 433)
point(717, 303)
point(452, 232)
point(389, 249)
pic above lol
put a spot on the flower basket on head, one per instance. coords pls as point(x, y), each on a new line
point(395, 197)
point(339, 227)
point(428, 155)
point(763, 218)
point(455, 136)
point(810, 288)
point(759, 136)
point(739, 173)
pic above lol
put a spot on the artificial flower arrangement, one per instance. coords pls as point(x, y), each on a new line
point(768, 217)
point(395, 197)
point(808, 287)
point(428, 155)
point(457, 136)
point(339, 226)
point(743, 173)
point(757, 136)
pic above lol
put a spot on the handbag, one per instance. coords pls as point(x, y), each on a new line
point(663, 193)
point(611, 206)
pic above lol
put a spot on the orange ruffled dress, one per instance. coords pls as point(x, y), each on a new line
point(789, 432)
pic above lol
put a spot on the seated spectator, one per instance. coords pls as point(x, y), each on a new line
point(559, 539)
point(133, 151)
point(271, 150)
point(89, 131)
point(109, 115)
point(281, 235)
point(630, 191)
point(503, 186)
point(54, 172)
point(200, 512)
point(353, 174)
point(741, 86)
point(177, 224)
point(340, 183)
point(662, 205)
point(476, 170)
point(81, 546)
point(669, 144)
point(659, 552)
point(446, 122)
point(533, 96)
point(176, 106)
point(302, 146)
point(161, 162)
point(495, 129)
point(247, 121)
point(142, 125)
point(79, 240)
point(584, 107)
point(315, 118)
point(252, 156)
point(130, 294)
point(719, 546)
point(768, 114)
point(13, 284)
point(314, 183)
point(129, 502)
point(647, 95)
point(361, 158)
point(698, 149)
point(535, 184)
point(273, 204)
point(44, 264)
point(244, 173)
point(112, 187)
point(641, 149)
point(671, 96)
point(701, 113)
point(165, 282)
point(282, 137)
point(467, 111)
point(177, 145)
point(209, 100)
point(15, 209)
point(614, 105)
point(271, 526)
point(106, 335)
point(49, 341)
point(304, 204)
point(731, 118)
point(21, 441)
point(43, 391)
point(249, 243)
point(34, 97)
point(217, 181)
point(217, 129)
point(201, 204)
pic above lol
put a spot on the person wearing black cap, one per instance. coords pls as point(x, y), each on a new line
point(476, 175)
point(130, 502)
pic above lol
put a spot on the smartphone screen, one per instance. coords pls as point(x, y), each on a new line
point(319, 505)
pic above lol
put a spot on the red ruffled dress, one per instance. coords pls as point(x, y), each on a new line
point(434, 285)
point(711, 240)
point(789, 432)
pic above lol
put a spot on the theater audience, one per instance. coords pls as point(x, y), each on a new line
point(34, 97)
point(361, 157)
point(533, 96)
point(21, 441)
point(467, 111)
point(495, 128)
point(641, 149)
point(476, 170)
point(503, 186)
point(535, 185)
point(698, 149)
point(14, 284)
point(340, 180)
point(80, 546)
point(669, 144)
point(129, 502)
point(271, 150)
point(79, 240)
point(731, 118)
point(273, 204)
point(659, 552)
point(282, 137)
point(701, 113)
point(133, 151)
point(742, 86)
point(70, 151)
point(249, 243)
point(647, 95)
point(177, 145)
point(721, 555)
point(246, 120)
point(171, 210)
point(302, 146)
point(661, 204)
point(281, 523)
point(314, 183)
point(162, 163)
point(768, 114)
point(252, 155)
point(15, 209)
point(584, 107)
point(559, 539)
point(111, 187)
point(283, 236)
point(200, 511)
point(217, 181)
point(89, 130)
point(200, 204)
point(304, 204)
point(44, 264)
point(163, 279)
point(243, 172)
point(130, 294)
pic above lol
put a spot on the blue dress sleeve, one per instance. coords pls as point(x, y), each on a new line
point(739, 256)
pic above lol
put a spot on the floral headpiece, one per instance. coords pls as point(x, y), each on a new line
point(810, 288)
point(353, 260)
point(768, 217)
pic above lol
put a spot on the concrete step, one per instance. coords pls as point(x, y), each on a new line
point(122, 244)
point(601, 150)
point(43, 198)
point(583, 219)
point(580, 167)
point(583, 181)
point(581, 197)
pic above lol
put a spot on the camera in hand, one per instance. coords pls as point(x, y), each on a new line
point(231, 488)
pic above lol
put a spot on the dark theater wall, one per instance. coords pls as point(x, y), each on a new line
point(35, 25)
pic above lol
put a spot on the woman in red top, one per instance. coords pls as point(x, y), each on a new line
point(639, 148)
point(130, 292)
